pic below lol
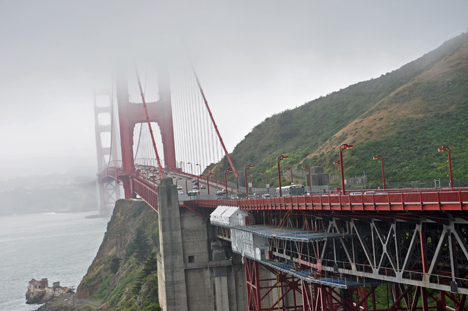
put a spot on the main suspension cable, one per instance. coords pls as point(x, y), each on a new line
point(149, 124)
point(214, 123)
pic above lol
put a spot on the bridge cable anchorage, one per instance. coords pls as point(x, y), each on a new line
point(213, 121)
point(161, 174)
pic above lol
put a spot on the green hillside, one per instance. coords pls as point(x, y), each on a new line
point(404, 115)
point(123, 275)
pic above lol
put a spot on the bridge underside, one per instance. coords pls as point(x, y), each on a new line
point(343, 261)
point(418, 258)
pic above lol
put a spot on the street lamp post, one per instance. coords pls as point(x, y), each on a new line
point(343, 147)
point(310, 180)
point(450, 164)
point(245, 175)
point(290, 169)
point(379, 157)
point(281, 157)
point(225, 180)
point(267, 183)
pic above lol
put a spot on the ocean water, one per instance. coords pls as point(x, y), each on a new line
point(57, 246)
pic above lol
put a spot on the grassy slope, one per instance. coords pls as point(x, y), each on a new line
point(403, 115)
point(117, 277)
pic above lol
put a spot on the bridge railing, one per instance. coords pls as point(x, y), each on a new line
point(147, 191)
point(404, 201)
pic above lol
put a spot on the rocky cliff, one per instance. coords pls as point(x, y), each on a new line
point(123, 275)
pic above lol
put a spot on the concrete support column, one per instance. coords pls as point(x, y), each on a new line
point(221, 289)
point(171, 273)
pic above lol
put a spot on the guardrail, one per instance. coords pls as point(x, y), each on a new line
point(401, 202)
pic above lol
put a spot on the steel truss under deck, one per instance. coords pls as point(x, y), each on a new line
point(421, 259)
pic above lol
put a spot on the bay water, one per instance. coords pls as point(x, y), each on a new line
point(57, 246)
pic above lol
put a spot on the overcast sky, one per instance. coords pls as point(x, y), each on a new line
point(259, 57)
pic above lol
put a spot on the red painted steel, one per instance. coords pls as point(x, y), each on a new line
point(443, 201)
point(161, 173)
point(214, 124)
point(147, 191)
point(130, 114)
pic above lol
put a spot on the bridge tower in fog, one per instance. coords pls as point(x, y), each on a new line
point(106, 147)
point(127, 120)
point(132, 113)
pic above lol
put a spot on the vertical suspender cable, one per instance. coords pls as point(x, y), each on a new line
point(199, 136)
point(185, 110)
point(214, 124)
point(149, 124)
point(191, 122)
point(206, 149)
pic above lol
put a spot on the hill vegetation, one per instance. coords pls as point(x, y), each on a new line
point(404, 115)
point(123, 276)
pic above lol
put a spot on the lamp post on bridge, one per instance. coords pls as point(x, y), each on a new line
point(310, 180)
point(281, 157)
point(450, 163)
point(267, 183)
point(292, 180)
point(245, 175)
point(379, 157)
point(343, 147)
point(225, 180)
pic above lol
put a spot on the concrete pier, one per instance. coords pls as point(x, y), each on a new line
point(196, 271)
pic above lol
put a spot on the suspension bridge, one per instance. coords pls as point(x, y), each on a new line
point(322, 251)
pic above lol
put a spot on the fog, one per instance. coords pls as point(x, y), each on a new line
point(253, 58)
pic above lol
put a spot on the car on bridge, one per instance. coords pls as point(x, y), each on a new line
point(265, 195)
point(234, 197)
point(202, 187)
point(195, 187)
point(193, 193)
point(179, 187)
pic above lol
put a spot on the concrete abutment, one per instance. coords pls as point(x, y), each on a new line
point(196, 272)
